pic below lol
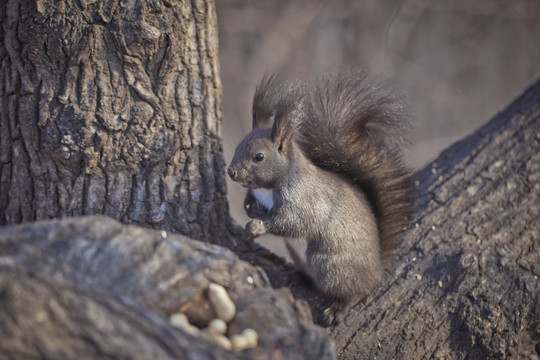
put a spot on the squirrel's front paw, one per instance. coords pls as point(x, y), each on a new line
point(255, 210)
point(255, 228)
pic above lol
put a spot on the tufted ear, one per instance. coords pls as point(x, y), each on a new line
point(264, 101)
point(282, 130)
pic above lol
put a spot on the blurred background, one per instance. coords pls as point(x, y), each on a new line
point(457, 62)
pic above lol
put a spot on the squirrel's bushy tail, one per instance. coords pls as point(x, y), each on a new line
point(356, 126)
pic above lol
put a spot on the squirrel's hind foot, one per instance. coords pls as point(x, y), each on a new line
point(333, 314)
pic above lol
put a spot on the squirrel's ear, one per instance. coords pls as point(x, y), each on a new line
point(264, 101)
point(282, 131)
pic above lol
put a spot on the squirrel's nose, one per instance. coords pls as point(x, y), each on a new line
point(231, 173)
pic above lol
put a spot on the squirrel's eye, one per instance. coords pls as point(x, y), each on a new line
point(259, 157)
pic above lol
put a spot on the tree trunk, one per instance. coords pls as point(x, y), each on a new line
point(112, 107)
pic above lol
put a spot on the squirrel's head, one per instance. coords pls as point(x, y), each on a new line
point(263, 158)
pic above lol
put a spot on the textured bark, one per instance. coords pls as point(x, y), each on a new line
point(92, 288)
point(465, 285)
point(112, 107)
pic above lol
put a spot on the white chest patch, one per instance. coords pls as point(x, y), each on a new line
point(265, 197)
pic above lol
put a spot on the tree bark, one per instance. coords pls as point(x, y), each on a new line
point(112, 107)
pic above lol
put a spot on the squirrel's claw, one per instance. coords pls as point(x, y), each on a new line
point(332, 315)
point(247, 236)
point(255, 228)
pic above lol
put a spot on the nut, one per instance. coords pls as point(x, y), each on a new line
point(222, 303)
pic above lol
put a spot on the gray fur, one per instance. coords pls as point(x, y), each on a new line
point(332, 161)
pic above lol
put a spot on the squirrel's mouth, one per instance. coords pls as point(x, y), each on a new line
point(246, 185)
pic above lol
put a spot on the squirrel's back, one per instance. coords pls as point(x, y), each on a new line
point(356, 126)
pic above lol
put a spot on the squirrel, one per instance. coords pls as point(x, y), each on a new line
point(324, 163)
